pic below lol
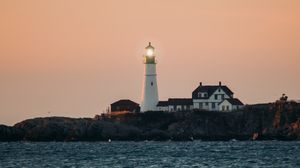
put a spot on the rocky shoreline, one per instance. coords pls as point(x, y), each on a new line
point(272, 121)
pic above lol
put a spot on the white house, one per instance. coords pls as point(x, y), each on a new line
point(208, 97)
point(175, 104)
point(204, 97)
point(230, 104)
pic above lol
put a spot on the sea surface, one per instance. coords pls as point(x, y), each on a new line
point(150, 154)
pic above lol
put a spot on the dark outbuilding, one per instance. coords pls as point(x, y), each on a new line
point(125, 105)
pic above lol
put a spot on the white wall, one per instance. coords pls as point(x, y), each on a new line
point(225, 106)
point(171, 108)
point(230, 106)
point(150, 91)
point(237, 107)
point(180, 107)
point(162, 108)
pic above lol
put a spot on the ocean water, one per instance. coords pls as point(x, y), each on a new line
point(150, 154)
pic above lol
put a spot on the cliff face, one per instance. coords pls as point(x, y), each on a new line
point(280, 120)
point(69, 129)
point(10, 133)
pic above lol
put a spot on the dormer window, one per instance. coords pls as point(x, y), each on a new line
point(202, 95)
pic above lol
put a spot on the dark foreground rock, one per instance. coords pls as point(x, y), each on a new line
point(279, 121)
point(10, 133)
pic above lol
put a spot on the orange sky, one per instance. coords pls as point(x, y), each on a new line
point(74, 57)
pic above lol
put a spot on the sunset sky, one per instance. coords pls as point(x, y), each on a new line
point(74, 57)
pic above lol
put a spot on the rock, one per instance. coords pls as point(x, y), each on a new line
point(253, 122)
point(10, 133)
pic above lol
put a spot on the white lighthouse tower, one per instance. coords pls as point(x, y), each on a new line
point(150, 92)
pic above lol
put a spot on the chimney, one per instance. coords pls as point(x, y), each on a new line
point(200, 83)
point(220, 83)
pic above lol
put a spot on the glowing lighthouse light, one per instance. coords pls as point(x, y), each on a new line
point(150, 53)
point(150, 91)
point(150, 50)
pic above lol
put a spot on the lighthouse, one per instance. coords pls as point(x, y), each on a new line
point(150, 92)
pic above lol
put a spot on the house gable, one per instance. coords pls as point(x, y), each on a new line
point(230, 104)
point(205, 92)
point(220, 94)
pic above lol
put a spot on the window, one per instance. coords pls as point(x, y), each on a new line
point(227, 108)
point(206, 103)
point(222, 96)
point(205, 94)
point(199, 94)
point(216, 97)
point(213, 105)
point(151, 83)
point(223, 108)
point(200, 105)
